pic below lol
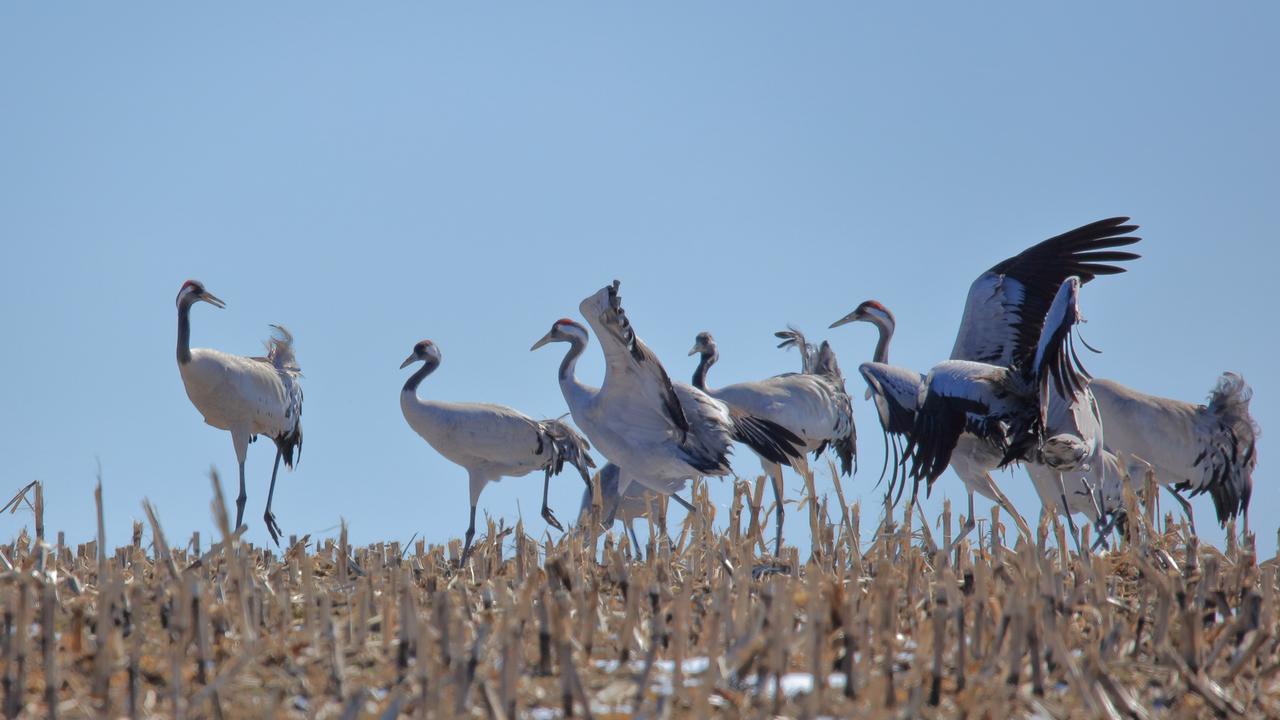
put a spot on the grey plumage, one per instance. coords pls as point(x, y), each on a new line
point(1203, 448)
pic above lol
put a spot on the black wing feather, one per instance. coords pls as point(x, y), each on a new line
point(642, 354)
point(1043, 267)
point(768, 439)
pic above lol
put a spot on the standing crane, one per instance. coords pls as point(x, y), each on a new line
point(1001, 325)
point(812, 405)
point(247, 396)
point(659, 433)
point(1209, 448)
point(490, 441)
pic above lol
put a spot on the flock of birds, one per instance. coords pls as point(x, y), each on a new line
point(1012, 391)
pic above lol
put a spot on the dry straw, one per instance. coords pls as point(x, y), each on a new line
point(704, 625)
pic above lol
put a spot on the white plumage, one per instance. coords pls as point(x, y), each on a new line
point(247, 396)
point(490, 441)
point(657, 432)
point(812, 405)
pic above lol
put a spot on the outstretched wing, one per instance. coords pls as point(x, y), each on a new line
point(630, 361)
point(1006, 306)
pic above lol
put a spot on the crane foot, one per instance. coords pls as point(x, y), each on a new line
point(272, 527)
point(550, 517)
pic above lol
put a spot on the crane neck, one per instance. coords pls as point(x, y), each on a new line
point(569, 364)
point(882, 345)
point(411, 385)
point(705, 361)
point(184, 333)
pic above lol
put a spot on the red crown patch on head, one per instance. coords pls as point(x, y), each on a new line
point(565, 321)
point(189, 283)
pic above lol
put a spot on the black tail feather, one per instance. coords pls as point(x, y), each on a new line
point(768, 439)
point(287, 443)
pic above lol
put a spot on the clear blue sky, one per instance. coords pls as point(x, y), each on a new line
point(371, 176)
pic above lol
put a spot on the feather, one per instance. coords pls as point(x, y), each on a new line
point(1006, 306)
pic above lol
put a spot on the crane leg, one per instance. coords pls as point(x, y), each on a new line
point(623, 481)
point(1003, 501)
point(775, 475)
point(635, 541)
point(240, 500)
point(966, 528)
point(1186, 507)
point(547, 515)
point(685, 504)
point(268, 517)
point(240, 438)
point(1066, 510)
point(612, 515)
point(471, 532)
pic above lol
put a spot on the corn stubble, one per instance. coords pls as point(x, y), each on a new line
point(880, 625)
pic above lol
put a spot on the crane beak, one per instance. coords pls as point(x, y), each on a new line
point(213, 300)
point(408, 361)
point(851, 317)
point(696, 349)
point(545, 340)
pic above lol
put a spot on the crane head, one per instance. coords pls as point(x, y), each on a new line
point(703, 344)
point(869, 311)
point(563, 330)
point(193, 291)
point(424, 350)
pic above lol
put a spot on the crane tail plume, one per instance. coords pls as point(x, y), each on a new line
point(280, 349)
point(290, 446)
point(565, 445)
point(768, 439)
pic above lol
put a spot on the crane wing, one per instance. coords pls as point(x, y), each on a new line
point(631, 367)
point(959, 396)
point(710, 430)
point(1006, 305)
point(896, 392)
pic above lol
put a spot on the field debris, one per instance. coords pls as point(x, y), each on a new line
point(704, 625)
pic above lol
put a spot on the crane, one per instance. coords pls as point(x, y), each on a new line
point(489, 441)
point(1204, 448)
point(247, 396)
point(658, 432)
point(1002, 320)
point(812, 405)
point(1005, 408)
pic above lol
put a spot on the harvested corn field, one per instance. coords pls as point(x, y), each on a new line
point(875, 623)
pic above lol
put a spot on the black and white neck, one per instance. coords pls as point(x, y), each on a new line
point(885, 327)
point(570, 362)
point(429, 366)
point(706, 358)
point(184, 329)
